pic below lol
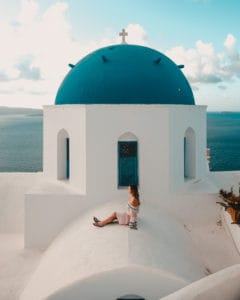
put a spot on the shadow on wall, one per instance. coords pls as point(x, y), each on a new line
point(189, 154)
point(63, 155)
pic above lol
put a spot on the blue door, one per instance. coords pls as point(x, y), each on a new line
point(127, 163)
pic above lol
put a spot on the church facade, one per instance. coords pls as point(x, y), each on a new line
point(100, 149)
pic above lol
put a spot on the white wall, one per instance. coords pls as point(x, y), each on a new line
point(223, 285)
point(46, 215)
point(160, 131)
point(13, 187)
point(232, 229)
point(161, 250)
point(71, 118)
point(181, 118)
point(105, 125)
point(94, 131)
point(110, 285)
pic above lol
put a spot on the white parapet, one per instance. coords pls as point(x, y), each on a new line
point(48, 209)
point(233, 229)
point(223, 285)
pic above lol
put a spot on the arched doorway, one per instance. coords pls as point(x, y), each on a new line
point(189, 154)
point(127, 160)
point(63, 155)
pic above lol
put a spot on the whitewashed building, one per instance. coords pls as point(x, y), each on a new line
point(124, 114)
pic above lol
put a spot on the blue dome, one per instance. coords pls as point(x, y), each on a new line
point(125, 74)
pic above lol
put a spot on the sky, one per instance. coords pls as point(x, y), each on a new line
point(39, 38)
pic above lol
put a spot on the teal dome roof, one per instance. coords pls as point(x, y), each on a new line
point(125, 74)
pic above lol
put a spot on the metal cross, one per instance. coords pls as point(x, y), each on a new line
point(123, 34)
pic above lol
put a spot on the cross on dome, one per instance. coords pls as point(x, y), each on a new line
point(123, 34)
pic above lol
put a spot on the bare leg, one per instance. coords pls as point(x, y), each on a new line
point(108, 220)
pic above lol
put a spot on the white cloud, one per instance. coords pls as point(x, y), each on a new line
point(203, 64)
point(27, 70)
point(232, 67)
point(230, 45)
point(28, 13)
point(136, 35)
point(36, 48)
point(36, 51)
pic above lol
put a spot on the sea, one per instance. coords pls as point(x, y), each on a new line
point(21, 141)
point(223, 139)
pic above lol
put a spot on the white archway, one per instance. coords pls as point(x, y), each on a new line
point(127, 136)
point(63, 155)
point(189, 154)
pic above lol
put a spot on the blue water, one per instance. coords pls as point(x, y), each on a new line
point(223, 139)
point(21, 142)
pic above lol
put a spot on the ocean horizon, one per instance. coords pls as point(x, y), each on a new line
point(21, 140)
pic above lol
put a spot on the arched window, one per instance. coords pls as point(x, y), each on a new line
point(127, 160)
point(189, 154)
point(63, 155)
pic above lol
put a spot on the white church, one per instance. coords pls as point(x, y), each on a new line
point(124, 114)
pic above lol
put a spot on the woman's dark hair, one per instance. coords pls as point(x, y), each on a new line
point(134, 191)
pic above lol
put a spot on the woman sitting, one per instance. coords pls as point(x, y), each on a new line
point(126, 218)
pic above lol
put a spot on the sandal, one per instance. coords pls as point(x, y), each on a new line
point(97, 224)
point(135, 227)
point(96, 220)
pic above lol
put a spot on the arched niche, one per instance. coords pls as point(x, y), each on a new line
point(63, 155)
point(127, 160)
point(189, 154)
